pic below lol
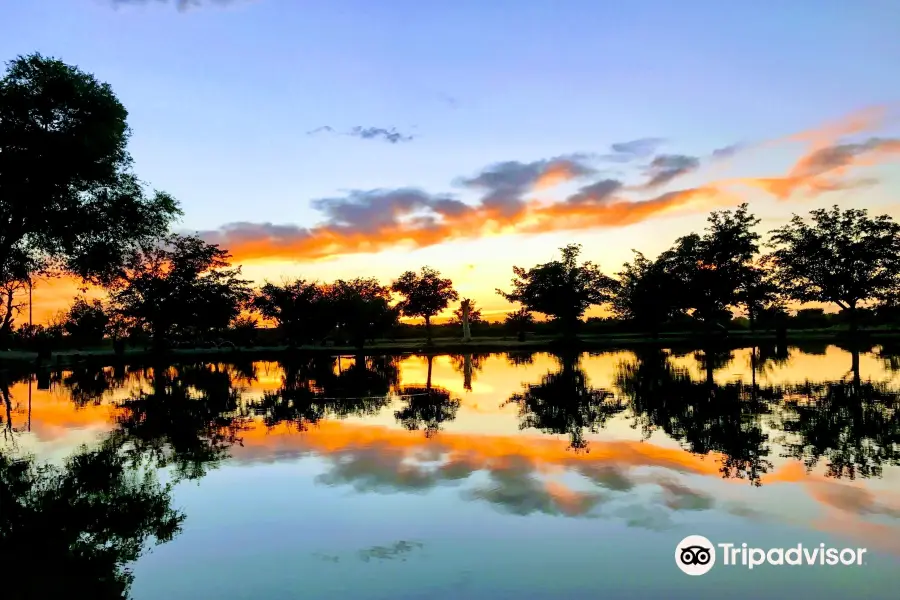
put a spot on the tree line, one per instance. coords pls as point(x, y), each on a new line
point(70, 204)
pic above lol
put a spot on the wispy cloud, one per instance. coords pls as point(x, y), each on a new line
point(633, 150)
point(509, 198)
point(391, 135)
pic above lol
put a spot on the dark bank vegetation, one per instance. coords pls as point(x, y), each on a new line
point(70, 205)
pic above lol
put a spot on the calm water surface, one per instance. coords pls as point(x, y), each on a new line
point(495, 476)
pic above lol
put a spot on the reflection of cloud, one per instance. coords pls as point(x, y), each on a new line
point(395, 550)
point(852, 499)
point(515, 489)
point(680, 497)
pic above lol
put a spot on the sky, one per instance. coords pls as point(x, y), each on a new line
point(353, 138)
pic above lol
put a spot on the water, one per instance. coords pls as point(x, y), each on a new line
point(481, 476)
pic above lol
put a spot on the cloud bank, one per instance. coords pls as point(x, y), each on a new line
point(509, 196)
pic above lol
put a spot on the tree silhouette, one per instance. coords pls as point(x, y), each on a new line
point(841, 257)
point(561, 289)
point(426, 407)
point(564, 403)
point(519, 322)
point(646, 294)
point(360, 309)
point(424, 294)
point(712, 269)
point(68, 199)
point(703, 416)
point(86, 322)
point(299, 309)
point(183, 288)
point(82, 523)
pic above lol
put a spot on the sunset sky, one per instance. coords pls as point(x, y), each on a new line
point(350, 137)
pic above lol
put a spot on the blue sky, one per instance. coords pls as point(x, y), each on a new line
point(221, 97)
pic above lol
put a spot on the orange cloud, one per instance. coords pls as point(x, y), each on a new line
point(823, 167)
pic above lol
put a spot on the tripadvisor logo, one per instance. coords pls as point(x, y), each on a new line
point(696, 555)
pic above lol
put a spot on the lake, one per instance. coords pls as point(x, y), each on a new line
point(526, 476)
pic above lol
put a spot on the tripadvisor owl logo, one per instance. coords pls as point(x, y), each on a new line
point(695, 555)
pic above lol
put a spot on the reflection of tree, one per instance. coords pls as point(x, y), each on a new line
point(320, 386)
point(469, 365)
point(564, 403)
point(426, 407)
point(703, 416)
point(189, 419)
point(854, 426)
point(89, 384)
point(518, 358)
point(7, 380)
point(78, 527)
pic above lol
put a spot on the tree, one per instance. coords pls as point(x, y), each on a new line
point(841, 257)
point(86, 322)
point(645, 294)
point(710, 269)
point(519, 322)
point(467, 315)
point(759, 293)
point(184, 287)
point(361, 309)
point(68, 200)
point(561, 289)
point(299, 309)
point(424, 294)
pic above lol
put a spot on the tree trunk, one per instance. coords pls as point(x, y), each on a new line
point(851, 316)
point(751, 316)
point(428, 379)
point(428, 328)
point(467, 332)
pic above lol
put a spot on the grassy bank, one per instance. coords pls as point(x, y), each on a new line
point(452, 345)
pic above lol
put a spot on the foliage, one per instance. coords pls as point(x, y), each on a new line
point(519, 322)
point(644, 294)
point(297, 307)
point(85, 521)
point(425, 294)
point(561, 289)
point(182, 288)
point(841, 257)
point(710, 269)
point(68, 198)
point(86, 321)
point(360, 309)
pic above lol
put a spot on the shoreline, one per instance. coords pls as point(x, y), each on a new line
point(439, 346)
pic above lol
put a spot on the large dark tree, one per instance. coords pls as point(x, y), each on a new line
point(84, 523)
point(182, 288)
point(361, 309)
point(425, 294)
point(561, 289)
point(299, 308)
point(712, 268)
point(645, 294)
point(86, 321)
point(841, 257)
point(68, 199)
